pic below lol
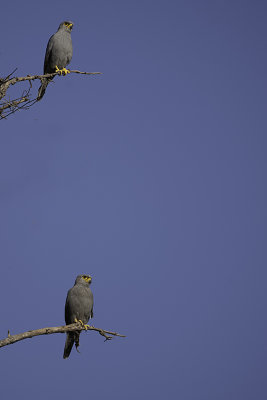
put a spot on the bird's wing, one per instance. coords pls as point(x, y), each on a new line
point(88, 302)
point(48, 53)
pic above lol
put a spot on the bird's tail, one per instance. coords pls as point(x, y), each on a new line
point(70, 339)
point(42, 88)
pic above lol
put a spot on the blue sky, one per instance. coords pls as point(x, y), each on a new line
point(152, 179)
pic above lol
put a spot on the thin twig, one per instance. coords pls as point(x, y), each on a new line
point(58, 329)
point(13, 103)
point(8, 76)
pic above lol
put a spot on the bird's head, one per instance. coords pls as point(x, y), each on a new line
point(66, 25)
point(84, 279)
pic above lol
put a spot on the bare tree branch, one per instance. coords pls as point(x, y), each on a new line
point(10, 106)
point(58, 329)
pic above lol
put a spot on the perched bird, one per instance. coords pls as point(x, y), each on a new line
point(78, 307)
point(58, 54)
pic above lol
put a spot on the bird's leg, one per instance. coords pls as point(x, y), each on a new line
point(62, 71)
point(58, 70)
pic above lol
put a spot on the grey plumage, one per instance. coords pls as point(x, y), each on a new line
point(58, 54)
point(79, 306)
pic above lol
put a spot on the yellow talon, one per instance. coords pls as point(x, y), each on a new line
point(58, 70)
point(86, 327)
point(62, 71)
point(65, 71)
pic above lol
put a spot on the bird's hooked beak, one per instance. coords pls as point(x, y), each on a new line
point(68, 25)
point(87, 278)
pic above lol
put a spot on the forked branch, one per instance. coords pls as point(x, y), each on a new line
point(9, 106)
